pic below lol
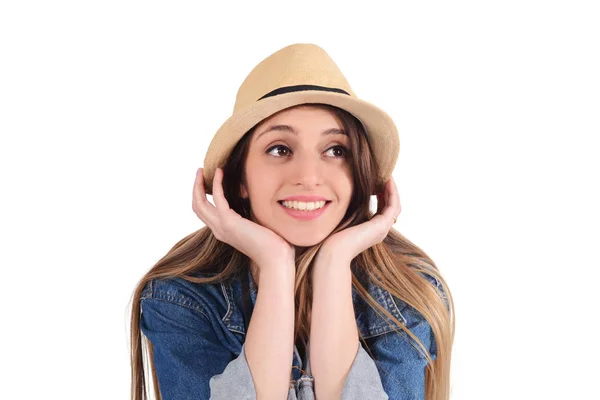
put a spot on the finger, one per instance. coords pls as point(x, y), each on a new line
point(200, 203)
point(394, 198)
point(199, 195)
point(218, 195)
point(399, 202)
point(389, 211)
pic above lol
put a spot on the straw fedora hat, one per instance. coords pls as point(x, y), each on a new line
point(297, 74)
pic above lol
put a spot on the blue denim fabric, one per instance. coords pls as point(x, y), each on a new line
point(198, 334)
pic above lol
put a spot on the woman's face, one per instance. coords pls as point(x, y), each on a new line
point(309, 162)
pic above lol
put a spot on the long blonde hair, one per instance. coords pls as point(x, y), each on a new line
point(395, 264)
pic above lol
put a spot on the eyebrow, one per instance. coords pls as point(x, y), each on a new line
point(290, 129)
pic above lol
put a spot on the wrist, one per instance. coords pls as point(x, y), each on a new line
point(327, 257)
point(281, 270)
point(329, 271)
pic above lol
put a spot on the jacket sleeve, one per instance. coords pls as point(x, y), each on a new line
point(237, 372)
point(363, 381)
point(190, 361)
point(400, 366)
point(399, 362)
point(396, 370)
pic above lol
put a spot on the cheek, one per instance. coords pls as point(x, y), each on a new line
point(258, 178)
point(262, 191)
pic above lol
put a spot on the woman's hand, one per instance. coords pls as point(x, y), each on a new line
point(261, 244)
point(352, 241)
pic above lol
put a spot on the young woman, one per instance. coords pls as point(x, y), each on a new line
point(294, 287)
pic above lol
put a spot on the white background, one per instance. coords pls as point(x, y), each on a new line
point(107, 109)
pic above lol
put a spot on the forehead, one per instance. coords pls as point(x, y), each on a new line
point(301, 120)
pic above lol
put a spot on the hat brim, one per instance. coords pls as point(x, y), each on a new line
point(381, 130)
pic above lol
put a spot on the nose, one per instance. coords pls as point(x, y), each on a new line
point(308, 171)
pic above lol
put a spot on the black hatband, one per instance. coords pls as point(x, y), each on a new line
point(299, 88)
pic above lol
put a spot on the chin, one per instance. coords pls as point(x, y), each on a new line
point(303, 240)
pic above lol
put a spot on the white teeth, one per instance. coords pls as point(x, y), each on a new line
point(301, 205)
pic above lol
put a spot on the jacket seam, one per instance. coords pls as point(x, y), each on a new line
point(227, 315)
point(231, 310)
point(175, 300)
point(389, 304)
point(401, 317)
point(382, 331)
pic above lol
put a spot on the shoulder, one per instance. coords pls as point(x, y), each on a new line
point(178, 304)
point(206, 298)
point(373, 324)
point(434, 282)
point(416, 322)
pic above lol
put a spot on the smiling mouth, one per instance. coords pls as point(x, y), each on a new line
point(306, 210)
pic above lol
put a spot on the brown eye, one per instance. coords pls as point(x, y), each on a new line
point(341, 151)
point(279, 146)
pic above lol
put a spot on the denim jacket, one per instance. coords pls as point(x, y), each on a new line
point(198, 334)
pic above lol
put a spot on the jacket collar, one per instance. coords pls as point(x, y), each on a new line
point(368, 321)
